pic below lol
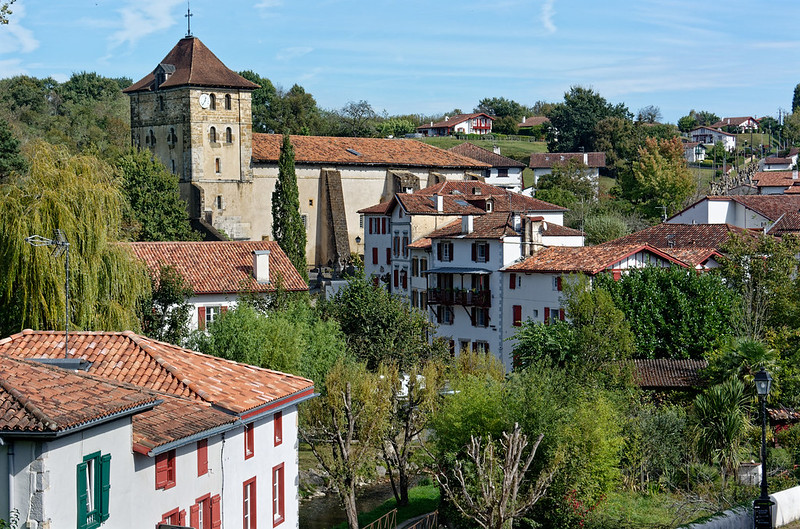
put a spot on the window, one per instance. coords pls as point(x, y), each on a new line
point(463, 345)
point(396, 246)
point(557, 283)
point(174, 517)
point(151, 139)
point(360, 220)
point(423, 266)
point(480, 252)
point(94, 483)
point(480, 317)
point(161, 102)
point(202, 457)
point(374, 256)
point(277, 495)
point(227, 101)
point(480, 347)
point(278, 427)
point(415, 267)
point(304, 218)
point(517, 315)
point(249, 504)
point(220, 202)
point(228, 135)
point(423, 300)
point(202, 515)
point(212, 135)
point(445, 315)
point(405, 246)
point(414, 298)
point(172, 165)
point(217, 166)
point(249, 440)
point(404, 279)
point(388, 256)
point(311, 202)
point(213, 105)
point(396, 278)
point(165, 470)
point(512, 281)
point(205, 315)
point(444, 251)
point(172, 138)
point(489, 206)
point(502, 172)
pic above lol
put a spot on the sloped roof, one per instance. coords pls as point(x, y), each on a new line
point(556, 230)
point(360, 151)
point(541, 160)
point(736, 122)
point(195, 65)
point(668, 236)
point(135, 359)
point(490, 226)
point(668, 373)
point(695, 256)
point(471, 150)
point(585, 259)
point(770, 207)
point(452, 121)
point(421, 244)
point(38, 398)
point(221, 267)
point(534, 121)
point(503, 199)
point(775, 178)
point(712, 129)
point(789, 223)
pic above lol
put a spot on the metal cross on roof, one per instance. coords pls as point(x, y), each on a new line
point(188, 16)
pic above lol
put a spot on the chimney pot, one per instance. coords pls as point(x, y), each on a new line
point(261, 265)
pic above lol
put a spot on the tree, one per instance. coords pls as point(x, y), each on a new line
point(537, 341)
point(796, 98)
point(396, 127)
point(5, 11)
point(705, 118)
point(11, 160)
point(301, 115)
point(156, 212)
point(266, 106)
point(381, 327)
point(501, 107)
point(165, 314)
point(287, 224)
point(358, 119)
point(505, 125)
point(80, 196)
point(605, 227)
point(342, 426)
point(573, 176)
point(687, 123)
point(649, 114)
point(573, 122)
point(620, 139)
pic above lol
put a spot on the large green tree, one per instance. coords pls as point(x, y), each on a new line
point(156, 212)
point(265, 106)
point(80, 195)
point(11, 160)
point(573, 122)
point(165, 313)
point(501, 107)
point(287, 224)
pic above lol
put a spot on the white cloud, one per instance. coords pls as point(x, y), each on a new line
point(295, 52)
point(11, 67)
point(14, 37)
point(140, 19)
point(267, 7)
point(548, 10)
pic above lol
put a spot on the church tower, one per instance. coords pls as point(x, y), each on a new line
point(194, 114)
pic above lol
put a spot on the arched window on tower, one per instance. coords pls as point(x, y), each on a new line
point(213, 105)
point(228, 135)
point(227, 101)
point(152, 138)
point(212, 135)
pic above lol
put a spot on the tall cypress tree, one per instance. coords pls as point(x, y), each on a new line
point(287, 225)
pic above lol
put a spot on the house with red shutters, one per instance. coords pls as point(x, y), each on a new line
point(123, 428)
point(219, 272)
point(477, 123)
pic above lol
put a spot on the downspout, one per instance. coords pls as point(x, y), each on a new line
point(11, 472)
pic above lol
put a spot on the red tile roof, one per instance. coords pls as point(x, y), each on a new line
point(770, 207)
point(776, 178)
point(195, 65)
point(484, 155)
point(695, 256)
point(668, 236)
point(736, 122)
point(452, 121)
point(667, 373)
point(421, 244)
point(541, 160)
point(131, 358)
point(490, 226)
point(418, 204)
point(534, 121)
point(360, 151)
point(789, 223)
point(585, 259)
point(556, 230)
point(221, 267)
point(503, 200)
point(38, 398)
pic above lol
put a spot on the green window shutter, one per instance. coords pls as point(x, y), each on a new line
point(105, 485)
point(83, 495)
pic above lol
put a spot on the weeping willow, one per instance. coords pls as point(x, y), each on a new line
point(80, 195)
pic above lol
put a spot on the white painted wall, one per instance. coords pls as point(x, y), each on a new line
point(567, 240)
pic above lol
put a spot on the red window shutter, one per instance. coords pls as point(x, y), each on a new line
point(396, 278)
point(216, 514)
point(517, 315)
point(405, 280)
point(384, 225)
point(202, 457)
point(512, 281)
point(278, 428)
point(561, 314)
point(371, 220)
point(546, 314)
point(201, 318)
point(375, 281)
point(439, 251)
point(182, 517)
point(474, 252)
point(475, 347)
point(194, 516)
point(450, 251)
point(162, 471)
point(249, 440)
point(223, 309)
point(374, 256)
point(388, 256)
point(281, 494)
point(617, 274)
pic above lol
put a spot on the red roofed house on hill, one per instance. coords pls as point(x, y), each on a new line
point(219, 272)
point(128, 428)
point(194, 113)
point(477, 123)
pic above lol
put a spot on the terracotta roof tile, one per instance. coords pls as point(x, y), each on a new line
point(556, 230)
point(667, 373)
point(421, 244)
point(40, 398)
point(490, 226)
point(668, 235)
point(789, 223)
point(585, 259)
point(359, 151)
point(775, 178)
point(543, 160)
point(175, 419)
point(128, 357)
point(220, 267)
point(694, 256)
point(195, 65)
point(534, 121)
point(452, 121)
point(484, 155)
point(477, 192)
point(418, 204)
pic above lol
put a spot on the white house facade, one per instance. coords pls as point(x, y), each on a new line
point(743, 211)
point(710, 136)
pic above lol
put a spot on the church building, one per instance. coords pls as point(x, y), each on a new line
point(194, 114)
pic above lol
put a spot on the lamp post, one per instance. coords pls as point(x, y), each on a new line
point(762, 514)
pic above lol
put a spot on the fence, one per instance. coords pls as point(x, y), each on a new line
point(387, 521)
point(429, 522)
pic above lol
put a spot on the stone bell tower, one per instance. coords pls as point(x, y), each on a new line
point(194, 114)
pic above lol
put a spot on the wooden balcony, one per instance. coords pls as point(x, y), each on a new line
point(456, 296)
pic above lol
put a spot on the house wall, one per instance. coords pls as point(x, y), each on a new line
point(533, 292)
point(512, 182)
point(567, 240)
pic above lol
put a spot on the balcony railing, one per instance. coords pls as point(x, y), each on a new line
point(457, 296)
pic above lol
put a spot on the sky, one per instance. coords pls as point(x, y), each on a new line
point(429, 57)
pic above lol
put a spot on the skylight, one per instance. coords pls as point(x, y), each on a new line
point(353, 151)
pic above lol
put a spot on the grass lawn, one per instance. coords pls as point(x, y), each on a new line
point(422, 499)
point(518, 150)
point(639, 510)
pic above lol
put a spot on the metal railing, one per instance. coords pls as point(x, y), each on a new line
point(429, 522)
point(458, 296)
point(387, 521)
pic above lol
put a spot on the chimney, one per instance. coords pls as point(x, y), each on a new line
point(447, 118)
point(523, 119)
point(496, 149)
point(439, 200)
point(261, 265)
point(794, 174)
point(467, 224)
point(586, 158)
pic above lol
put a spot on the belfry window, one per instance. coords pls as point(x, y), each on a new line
point(227, 101)
point(213, 105)
point(212, 135)
point(228, 135)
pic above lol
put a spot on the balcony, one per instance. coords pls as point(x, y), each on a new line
point(456, 296)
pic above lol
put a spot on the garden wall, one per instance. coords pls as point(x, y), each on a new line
point(786, 510)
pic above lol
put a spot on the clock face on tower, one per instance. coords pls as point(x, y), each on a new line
point(205, 100)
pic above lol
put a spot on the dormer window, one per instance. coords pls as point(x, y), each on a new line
point(489, 206)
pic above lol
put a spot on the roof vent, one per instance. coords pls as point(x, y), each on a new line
point(354, 152)
point(74, 364)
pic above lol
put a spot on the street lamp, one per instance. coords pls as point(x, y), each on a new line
point(762, 514)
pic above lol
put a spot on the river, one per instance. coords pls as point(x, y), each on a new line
point(324, 512)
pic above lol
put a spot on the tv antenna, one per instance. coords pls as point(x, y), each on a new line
point(61, 247)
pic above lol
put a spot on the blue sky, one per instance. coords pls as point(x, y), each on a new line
point(733, 58)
